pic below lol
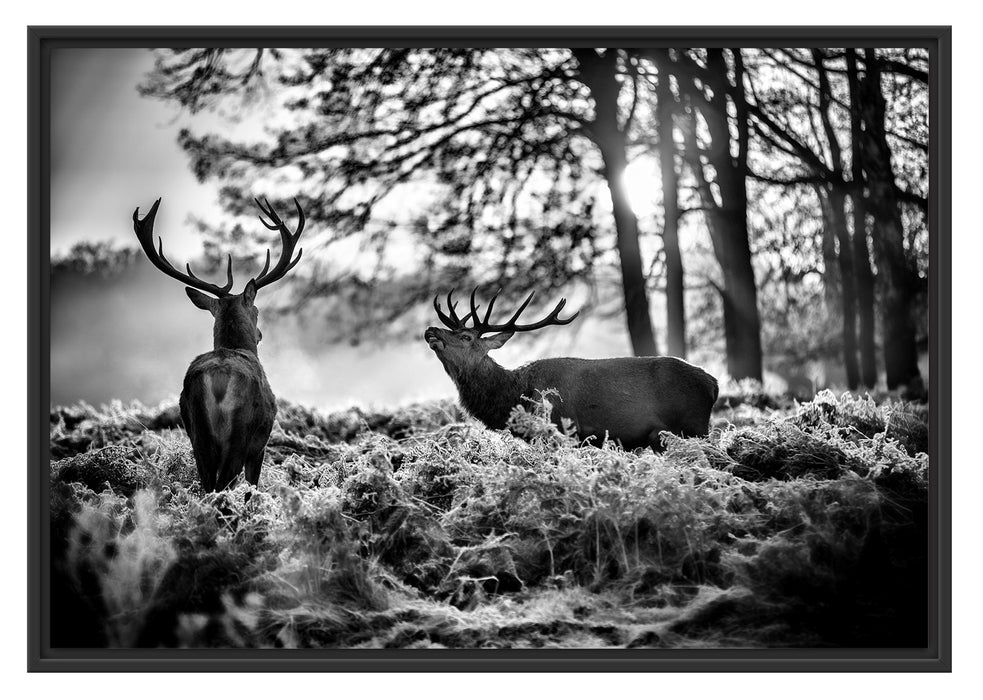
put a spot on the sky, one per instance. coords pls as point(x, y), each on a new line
point(113, 150)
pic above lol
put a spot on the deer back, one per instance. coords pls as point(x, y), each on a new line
point(228, 411)
point(630, 399)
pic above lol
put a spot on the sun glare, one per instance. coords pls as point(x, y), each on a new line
point(643, 182)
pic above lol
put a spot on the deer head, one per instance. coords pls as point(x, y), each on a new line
point(235, 315)
point(462, 348)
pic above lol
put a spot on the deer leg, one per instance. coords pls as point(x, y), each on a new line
point(232, 460)
point(209, 461)
point(206, 460)
point(254, 463)
point(230, 468)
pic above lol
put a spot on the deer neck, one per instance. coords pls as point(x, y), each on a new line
point(234, 335)
point(489, 392)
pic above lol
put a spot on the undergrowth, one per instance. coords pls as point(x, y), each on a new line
point(795, 526)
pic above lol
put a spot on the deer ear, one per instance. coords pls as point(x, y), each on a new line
point(493, 342)
point(249, 293)
point(201, 300)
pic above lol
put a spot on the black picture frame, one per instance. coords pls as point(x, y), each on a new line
point(41, 41)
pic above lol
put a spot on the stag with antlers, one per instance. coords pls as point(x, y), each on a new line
point(628, 399)
point(226, 403)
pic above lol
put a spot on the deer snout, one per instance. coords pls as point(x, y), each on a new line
point(432, 336)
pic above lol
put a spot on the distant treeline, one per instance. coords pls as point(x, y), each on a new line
point(101, 258)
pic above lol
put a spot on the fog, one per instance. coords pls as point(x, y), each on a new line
point(133, 336)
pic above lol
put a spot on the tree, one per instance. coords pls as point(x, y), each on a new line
point(489, 126)
point(864, 276)
point(897, 282)
point(725, 199)
point(518, 152)
point(599, 72)
point(665, 129)
point(822, 158)
point(834, 192)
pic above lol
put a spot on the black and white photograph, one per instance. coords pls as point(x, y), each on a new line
point(387, 348)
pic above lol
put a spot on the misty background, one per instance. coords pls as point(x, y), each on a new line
point(524, 201)
point(130, 332)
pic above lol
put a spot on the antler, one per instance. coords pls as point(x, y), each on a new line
point(449, 319)
point(144, 228)
point(287, 239)
point(484, 326)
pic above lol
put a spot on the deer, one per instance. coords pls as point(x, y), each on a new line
point(226, 403)
point(628, 400)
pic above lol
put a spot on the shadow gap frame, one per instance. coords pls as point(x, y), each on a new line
point(41, 40)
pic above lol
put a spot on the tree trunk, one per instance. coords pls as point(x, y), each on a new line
point(896, 278)
point(675, 300)
point(742, 325)
point(833, 196)
point(837, 208)
point(863, 275)
point(832, 279)
point(598, 73)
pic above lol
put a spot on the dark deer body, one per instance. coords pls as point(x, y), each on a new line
point(227, 406)
point(628, 399)
point(228, 410)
